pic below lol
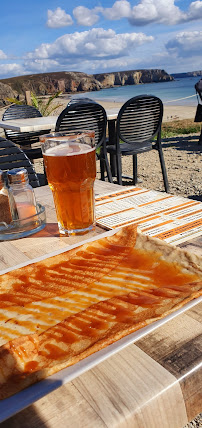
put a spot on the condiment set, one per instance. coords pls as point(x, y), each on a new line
point(20, 215)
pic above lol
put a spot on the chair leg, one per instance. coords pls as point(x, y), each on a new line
point(113, 164)
point(112, 141)
point(45, 176)
point(134, 169)
point(119, 168)
point(102, 169)
point(158, 146)
point(104, 165)
point(163, 168)
point(200, 138)
point(109, 174)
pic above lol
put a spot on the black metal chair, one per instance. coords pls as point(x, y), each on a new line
point(138, 123)
point(11, 156)
point(24, 139)
point(91, 116)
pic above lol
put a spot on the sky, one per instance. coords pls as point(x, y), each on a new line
point(100, 36)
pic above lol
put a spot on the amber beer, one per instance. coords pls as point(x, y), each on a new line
point(71, 169)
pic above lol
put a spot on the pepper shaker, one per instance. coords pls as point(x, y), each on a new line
point(23, 192)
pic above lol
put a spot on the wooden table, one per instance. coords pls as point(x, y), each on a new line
point(31, 124)
point(153, 383)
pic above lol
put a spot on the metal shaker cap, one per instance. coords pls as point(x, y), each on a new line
point(17, 175)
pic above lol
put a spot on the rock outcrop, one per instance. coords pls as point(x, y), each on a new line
point(5, 92)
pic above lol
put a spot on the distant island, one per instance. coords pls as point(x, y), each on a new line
point(73, 81)
point(188, 74)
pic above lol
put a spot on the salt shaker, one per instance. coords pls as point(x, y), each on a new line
point(23, 192)
point(7, 204)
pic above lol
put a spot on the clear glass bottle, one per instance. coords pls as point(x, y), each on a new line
point(7, 204)
point(22, 192)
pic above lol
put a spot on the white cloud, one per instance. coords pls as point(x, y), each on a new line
point(153, 11)
point(186, 44)
point(123, 63)
point(144, 13)
point(85, 16)
point(195, 10)
point(86, 65)
point(58, 18)
point(2, 55)
point(120, 9)
point(161, 11)
point(41, 65)
point(170, 62)
point(11, 70)
point(96, 43)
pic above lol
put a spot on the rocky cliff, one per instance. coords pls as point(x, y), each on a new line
point(6, 92)
point(132, 77)
point(71, 82)
point(49, 83)
point(188, 74)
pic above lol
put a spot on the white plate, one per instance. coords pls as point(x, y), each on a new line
point(22, 399)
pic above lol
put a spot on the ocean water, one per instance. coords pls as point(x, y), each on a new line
point(178, 92)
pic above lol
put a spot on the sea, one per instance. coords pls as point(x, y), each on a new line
point(180, 91)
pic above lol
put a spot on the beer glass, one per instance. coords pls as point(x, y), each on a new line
point(70, 166)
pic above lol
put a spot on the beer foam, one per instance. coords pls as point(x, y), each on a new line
point(69, 149)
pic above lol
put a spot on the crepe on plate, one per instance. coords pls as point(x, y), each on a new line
point(55, 312)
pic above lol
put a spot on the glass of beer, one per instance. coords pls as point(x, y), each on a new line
point(71, 169)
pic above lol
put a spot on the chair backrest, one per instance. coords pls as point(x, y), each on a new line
point(16, 111)
point(12, 156)
point(84, 115)
point(139, 120)
point(80, 100)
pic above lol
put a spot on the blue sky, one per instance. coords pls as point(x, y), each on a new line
point(96, 36)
